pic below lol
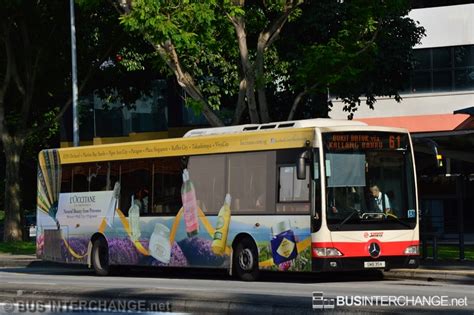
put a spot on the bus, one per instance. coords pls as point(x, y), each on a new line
point(302, 196)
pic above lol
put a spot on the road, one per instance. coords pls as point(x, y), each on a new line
point(210, 291)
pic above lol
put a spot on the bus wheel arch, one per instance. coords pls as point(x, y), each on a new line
point(245, 257)
point(99, 254)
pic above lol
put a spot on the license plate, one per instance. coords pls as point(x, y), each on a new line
point(374, 264)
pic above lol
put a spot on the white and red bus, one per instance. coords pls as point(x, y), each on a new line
point(309, 195)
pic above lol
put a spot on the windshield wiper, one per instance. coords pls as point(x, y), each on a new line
point(398, 220)
point(347, 218)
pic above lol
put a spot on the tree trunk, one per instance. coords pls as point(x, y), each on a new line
point(247, 68)
point(252, 102)
point(259, 74)
point(168, 53)
point(295, 104)
point(210, 116)
point(12, 228)
point(265, 39)
point(240, 107)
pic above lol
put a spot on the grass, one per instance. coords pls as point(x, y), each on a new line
point(18, 248)
point(451, 252)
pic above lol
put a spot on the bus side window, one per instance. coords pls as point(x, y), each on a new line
point(292, 189)
point(103, 176)
point(207, 173)
point(79, 178)
point(167, 181)
point(251, 182)
point(293, 194)
point(66, 178)
point(135, 185)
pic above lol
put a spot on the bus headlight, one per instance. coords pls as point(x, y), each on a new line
point(412, 250)
point(326, 252)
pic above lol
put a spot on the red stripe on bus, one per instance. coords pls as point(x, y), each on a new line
point(361, 249)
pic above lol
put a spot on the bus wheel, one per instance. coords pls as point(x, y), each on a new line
point(246, 260)
point(100, 257)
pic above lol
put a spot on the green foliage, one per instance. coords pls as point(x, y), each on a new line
point(451, 252)
point(44, 130)
point(18, 248)
point(202, 36)
point(353, 48)
point(100, 39)
point(115, 65)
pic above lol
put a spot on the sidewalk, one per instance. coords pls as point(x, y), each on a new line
point(9, 260)
point(440, 270)
point(429, 270)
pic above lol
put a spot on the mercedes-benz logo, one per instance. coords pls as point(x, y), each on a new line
point(374, 250)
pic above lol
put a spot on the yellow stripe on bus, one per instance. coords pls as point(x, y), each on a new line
point(175, 225)
point(102, 226)
point(137, 243)
point(301, 246)
point(266, 263)
point(73, 253)
point(265, 140)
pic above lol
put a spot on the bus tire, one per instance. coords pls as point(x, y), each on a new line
point(100, 257)
point(245, 260)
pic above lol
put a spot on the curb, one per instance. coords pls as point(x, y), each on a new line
point(431, 275)
point(9, 263)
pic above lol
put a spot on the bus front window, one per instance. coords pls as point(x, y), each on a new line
point(369, 181)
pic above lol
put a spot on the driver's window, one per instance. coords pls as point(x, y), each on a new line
point(293, 193)
point(291, 188)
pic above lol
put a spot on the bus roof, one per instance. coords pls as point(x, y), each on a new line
point(258, 137)
point(306, 123)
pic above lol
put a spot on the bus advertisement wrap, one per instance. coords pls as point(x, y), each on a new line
point(167, 237)
point(283, 243)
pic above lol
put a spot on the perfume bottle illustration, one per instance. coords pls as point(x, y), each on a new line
point(113, 205)
point(134, 220)
point(283, 242)
point(222, 228)
point(159, 246)
point(188, 197)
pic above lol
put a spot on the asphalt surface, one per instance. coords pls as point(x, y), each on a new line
point(198, 291)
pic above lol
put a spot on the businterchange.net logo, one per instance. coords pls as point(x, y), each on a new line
point(327, 303)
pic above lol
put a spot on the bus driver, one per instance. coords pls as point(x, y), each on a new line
point(379, 201)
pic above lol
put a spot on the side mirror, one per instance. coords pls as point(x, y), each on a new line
point(301, 165)
point(301, 168)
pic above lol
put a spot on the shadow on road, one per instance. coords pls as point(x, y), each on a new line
point(48, 268)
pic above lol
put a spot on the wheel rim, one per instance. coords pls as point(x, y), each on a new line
point(246, 259)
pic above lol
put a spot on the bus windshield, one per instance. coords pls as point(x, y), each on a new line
point(369, 181)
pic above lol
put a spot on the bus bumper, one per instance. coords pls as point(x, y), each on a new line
point(364, 263)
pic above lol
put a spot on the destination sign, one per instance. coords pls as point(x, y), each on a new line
point(344, 141)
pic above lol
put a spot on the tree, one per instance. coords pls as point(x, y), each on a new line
point(242, 49)
point(35, 79)
point(362, 48)
point(22, 57)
